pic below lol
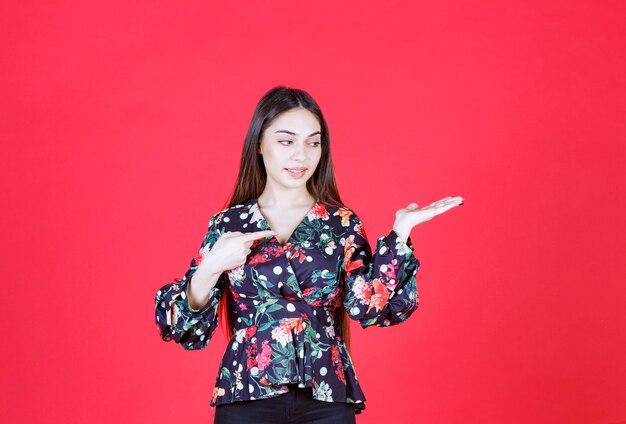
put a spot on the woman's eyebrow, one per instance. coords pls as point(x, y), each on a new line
point(293, 133)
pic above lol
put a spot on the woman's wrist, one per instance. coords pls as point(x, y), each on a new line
point(402, 232)
point(207, 271)
point(206, 278)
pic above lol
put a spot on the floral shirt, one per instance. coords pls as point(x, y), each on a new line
point(284, 303)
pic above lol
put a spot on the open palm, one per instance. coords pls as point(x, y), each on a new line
point(413, 215)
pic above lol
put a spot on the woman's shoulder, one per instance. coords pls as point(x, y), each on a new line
point(232, 214)
point(238, 207)
point(339, 214)
point(343, 211)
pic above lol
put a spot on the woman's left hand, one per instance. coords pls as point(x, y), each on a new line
point(407, 218)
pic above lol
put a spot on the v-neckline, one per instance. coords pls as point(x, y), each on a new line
point(262, 217)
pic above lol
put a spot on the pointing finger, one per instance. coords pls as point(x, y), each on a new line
point(258, 234)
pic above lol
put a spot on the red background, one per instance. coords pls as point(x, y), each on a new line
point(122, 125)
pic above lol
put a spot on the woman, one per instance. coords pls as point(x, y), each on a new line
point(287, 265)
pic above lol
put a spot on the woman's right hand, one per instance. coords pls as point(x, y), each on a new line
point(230, 251)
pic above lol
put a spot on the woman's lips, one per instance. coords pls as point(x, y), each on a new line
point(296, 172)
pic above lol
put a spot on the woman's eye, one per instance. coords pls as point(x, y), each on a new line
point(314, 144)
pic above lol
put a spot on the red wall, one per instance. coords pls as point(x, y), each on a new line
point(122, 125)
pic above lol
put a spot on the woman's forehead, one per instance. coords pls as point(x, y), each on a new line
point(296, 122)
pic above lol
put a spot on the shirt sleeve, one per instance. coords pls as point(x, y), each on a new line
point(175, 319)
point(379, 289)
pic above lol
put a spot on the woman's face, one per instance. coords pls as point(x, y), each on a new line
point(291, 148)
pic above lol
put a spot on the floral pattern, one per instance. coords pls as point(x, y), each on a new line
point(284, 303)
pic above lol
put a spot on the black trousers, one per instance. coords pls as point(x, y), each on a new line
point(296, 407)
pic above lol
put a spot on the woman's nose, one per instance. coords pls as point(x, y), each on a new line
point(299, 151)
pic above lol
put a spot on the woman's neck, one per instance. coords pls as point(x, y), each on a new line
point(285, 200)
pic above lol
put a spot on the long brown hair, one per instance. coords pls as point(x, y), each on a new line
point(253, 176)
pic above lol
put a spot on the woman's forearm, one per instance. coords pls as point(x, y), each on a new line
point(200, 285)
